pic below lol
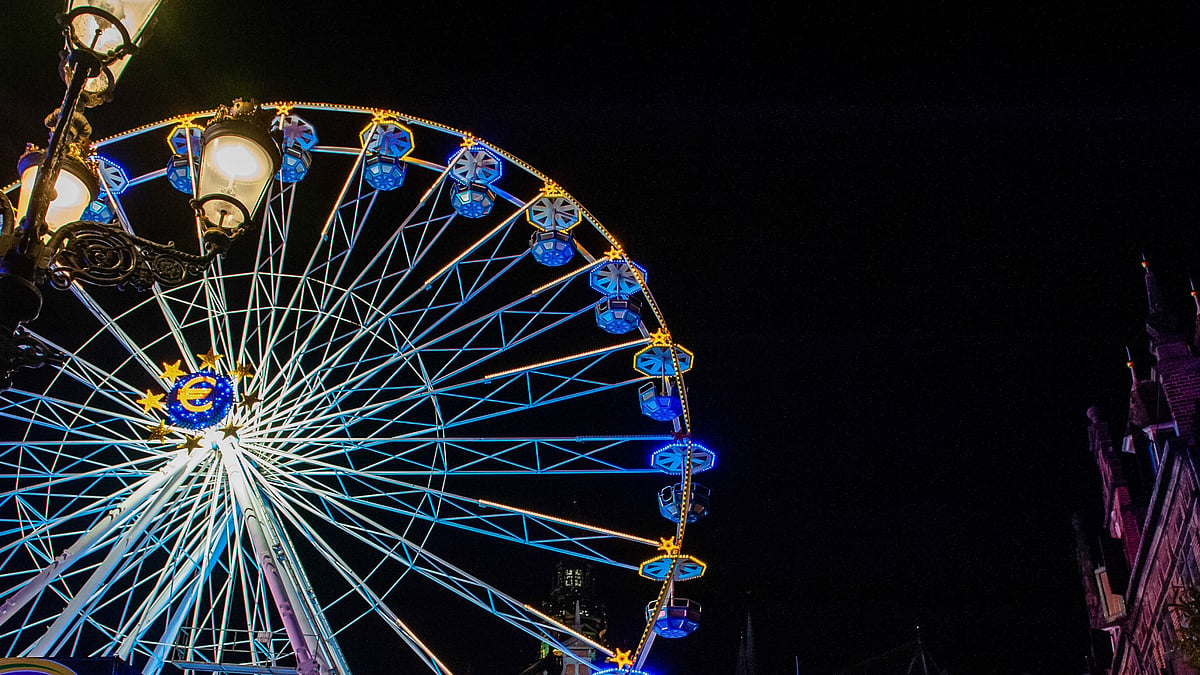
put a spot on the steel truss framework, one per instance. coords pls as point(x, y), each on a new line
point(394, 373)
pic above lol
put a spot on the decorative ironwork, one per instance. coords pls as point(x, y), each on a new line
point(23, 350)
point(106, 255)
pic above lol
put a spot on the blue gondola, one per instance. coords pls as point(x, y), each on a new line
point(474, 200)
point(554, 248)
point(679, 617)
point(618, 315)
point(670, 500)
point(659, 407)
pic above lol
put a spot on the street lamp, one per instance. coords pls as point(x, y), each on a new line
point(104, 33)
point(237, 160)
point(44, 239)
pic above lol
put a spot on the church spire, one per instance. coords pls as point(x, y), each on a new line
point(745, 661)
point(1162, 326)
point(1196, 328)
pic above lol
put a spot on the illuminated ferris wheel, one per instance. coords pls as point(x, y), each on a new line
point(399, 378)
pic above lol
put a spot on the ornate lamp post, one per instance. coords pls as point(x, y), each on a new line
point(43, 237)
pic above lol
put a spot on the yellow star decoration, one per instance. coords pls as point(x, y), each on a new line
point(249, 400)
point(243, 371)
point(152, 402)
point(667, 545)
point(190, 442)
point(469, 141)
point(623, 658)
point(660, 338)
point(230, 430)
point(172, 371)
point(210, 359)
point(615, 253)
point(160, 432)
point(552, 189)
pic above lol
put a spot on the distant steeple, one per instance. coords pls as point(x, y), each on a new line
point(1162, 326)
point(745, 662)
point(922, 663)
point(1196, 328)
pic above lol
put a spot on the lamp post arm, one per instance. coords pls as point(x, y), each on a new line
point(105, 255)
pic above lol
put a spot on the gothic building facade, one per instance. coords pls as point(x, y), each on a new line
point(1141, 551)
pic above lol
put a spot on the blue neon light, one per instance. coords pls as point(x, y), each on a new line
point(670, 458)
point(616, 278)
point(475, 165)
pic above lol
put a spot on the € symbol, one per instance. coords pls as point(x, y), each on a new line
point(191, 392)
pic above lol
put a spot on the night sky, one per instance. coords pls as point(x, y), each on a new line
point(903, 243)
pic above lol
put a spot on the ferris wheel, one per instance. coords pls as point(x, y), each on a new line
point(406, 377)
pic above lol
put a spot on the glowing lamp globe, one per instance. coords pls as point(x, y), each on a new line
point(237, 160)
point(107, 29)
point(98, 88)
point(74, 189)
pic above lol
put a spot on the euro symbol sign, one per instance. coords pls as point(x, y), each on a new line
point(193, 391)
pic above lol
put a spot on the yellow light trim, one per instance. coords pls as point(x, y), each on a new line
point(189, 123)
point(564, 521)
point(552, 189)
point(678, 558)
point(568, 629)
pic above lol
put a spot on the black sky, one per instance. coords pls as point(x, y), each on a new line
point(903, 244)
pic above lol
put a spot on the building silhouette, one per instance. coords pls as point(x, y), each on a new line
point(572, 602)
point(1139, 551)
